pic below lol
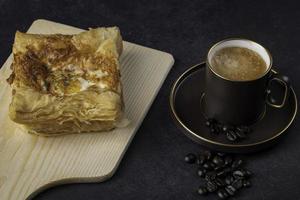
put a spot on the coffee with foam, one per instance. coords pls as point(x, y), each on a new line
point(238, 63)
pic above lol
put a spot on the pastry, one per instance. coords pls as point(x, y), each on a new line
point(67, 83)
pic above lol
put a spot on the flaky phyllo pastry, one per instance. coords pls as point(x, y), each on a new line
point(67, 83)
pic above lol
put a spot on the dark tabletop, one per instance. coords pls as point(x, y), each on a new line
point(153, 166)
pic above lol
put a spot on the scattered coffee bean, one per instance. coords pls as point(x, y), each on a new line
point(229, 179)
point(227, 170)
point(207, 123)
point(201, 172)
point(208, 154)
point(208, 165)
point(230, 189)
point(218, 127)
point(222, 173)
point(222, 194)
point(244, 129)
point(213, 130)
point(220, 182)
point(213, 165)
point(201, 159)
point(211, 186)
point(190, 158)
point(228, 160)
point(221, 154)
point(225, 128)
point(237, 184)
point(210, 176)
point(246, 183)
point(238, 174)
point(247, 172)
point(237, 163)
point(219, 168)
point(202, 190)
point(231, 135)
point(240, 134)
point(218, 160)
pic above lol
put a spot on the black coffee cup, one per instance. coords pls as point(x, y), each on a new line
point(240, 102)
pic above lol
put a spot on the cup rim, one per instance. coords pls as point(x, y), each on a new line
point(269, 67)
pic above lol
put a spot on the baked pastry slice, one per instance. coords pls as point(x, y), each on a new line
point(67, 83)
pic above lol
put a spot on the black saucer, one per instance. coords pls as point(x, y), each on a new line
point(187, 113)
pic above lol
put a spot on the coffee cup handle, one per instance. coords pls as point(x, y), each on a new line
point(284, 81)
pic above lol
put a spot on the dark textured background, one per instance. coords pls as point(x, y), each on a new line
point(153, 166)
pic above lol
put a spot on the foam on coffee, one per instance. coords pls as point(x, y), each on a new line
point(238, 63)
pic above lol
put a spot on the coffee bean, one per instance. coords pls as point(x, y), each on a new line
point(220, 182)
point(225, 128)
point(221, 154)
point(202, 190)
point(208, 165)
point(218, 161)
point(211, 186)
point(219, 168)
point(190, 158)
point(240, 134)
point(230, 135)
point(208, 155)
point(210, 122)
point(200, 160)
point(238, 174)
point(207, 123)
point(210, 176)
point(237, 163)
point(221, 173)
point(244, 129)
point(224, 171)
point(228, 170)
point(218, 127)
point(228, 160)
point(230, 189)
point(247, 173)
point(213, 165)
point(201, 172)
point(237, 184)
point(213, 130)
point(222, 194)
point(246, 183)
point(229, 179)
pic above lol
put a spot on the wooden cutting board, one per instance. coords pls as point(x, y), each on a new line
point(29, 164)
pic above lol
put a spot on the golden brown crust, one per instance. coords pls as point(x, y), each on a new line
point(49, 66)
point(29, 71)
